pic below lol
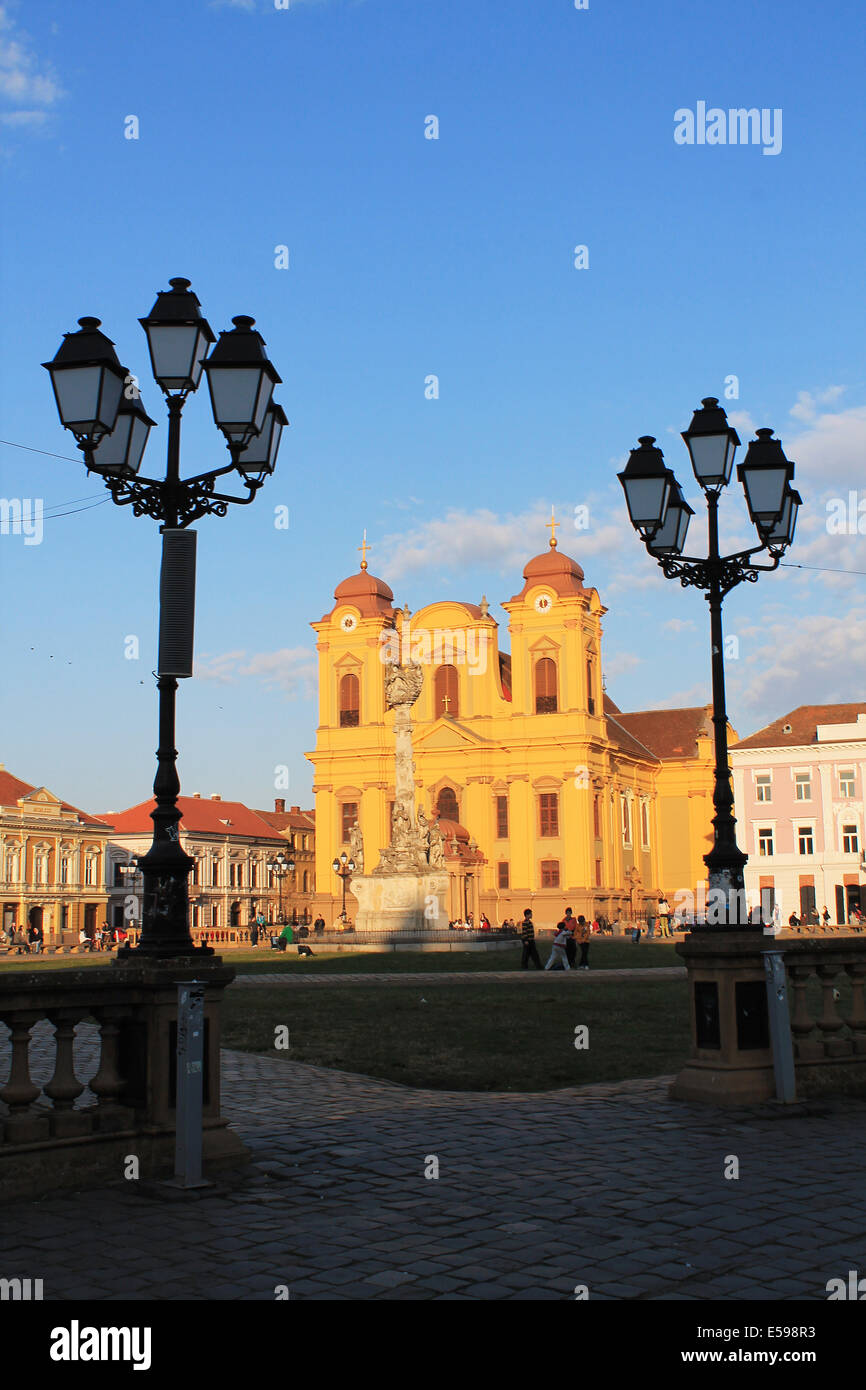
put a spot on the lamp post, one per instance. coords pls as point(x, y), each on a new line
point(279, 867)
point(660, 514)
point(130, 870)
point(99, 403)
point(344, 867)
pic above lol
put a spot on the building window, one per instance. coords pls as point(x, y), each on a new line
point(502, 817)
point(89, 871)
point(64, 918)
point(446, 693)
point(545, 686)
point(214, 916)
point(446, 805)
point(765, 844)
point(253, 874)
point(850, 840)
point(348, 817)
point(548, 812)
point(306, 881)
point(764, 787)
point(64, 873)
point(805, 837)
point(215, 874)
point(803, 786)
point(502, 874)
point(195, 871)
point(846, 782)
point(644, 825)
point(550, 873)
point(596, 816)
point(626, 820)
point(350, 701)
point(598, 873)
point(590, 687)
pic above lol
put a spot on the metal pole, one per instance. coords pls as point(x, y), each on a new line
point(725, 861)
point(190, 1064)
point(780, 1027)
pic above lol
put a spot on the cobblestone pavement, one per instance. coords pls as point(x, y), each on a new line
point(612, 1186)
point(454, 977)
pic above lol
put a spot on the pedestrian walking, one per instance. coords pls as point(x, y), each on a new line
point(583, 939)
point(568, 925)
point(254, 933)
point(530, 950)
point(558, 957)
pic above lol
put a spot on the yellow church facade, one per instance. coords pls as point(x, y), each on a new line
point(546, 794)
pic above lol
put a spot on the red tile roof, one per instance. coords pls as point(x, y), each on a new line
point(12, 789)
point(625, 741)
point(803, 721)
point(289, 820)
point(200, 817)
point(669, 733)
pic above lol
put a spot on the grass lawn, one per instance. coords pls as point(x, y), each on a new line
point(603, 955)
point(496, 1036)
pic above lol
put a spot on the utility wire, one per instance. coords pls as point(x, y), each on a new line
point(47, 452)
point(820, 569)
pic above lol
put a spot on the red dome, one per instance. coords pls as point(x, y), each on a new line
point(559, 571)
point(371, 596)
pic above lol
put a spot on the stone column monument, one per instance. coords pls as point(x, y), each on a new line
point(408, 889)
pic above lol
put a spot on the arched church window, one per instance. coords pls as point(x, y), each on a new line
point(350, 701)
point(446, 692)
point(545, 686)
point(447, 807)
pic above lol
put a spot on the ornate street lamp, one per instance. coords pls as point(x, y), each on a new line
point(344, 867)
point(661, 515)
point(99, 402)
point(279, 867)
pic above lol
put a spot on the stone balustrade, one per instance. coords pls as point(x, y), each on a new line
point(103, 1040)
point(827, 979)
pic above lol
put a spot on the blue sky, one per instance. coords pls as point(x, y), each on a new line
point(305, 127)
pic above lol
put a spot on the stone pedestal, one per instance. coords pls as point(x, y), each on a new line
point(731, 1061)
point(412, 902)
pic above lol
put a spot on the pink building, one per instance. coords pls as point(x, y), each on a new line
point(799, 801)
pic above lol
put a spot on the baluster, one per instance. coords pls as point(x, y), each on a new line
point(108, 1082)
point(856, 1020)
point(23, 1125)
point(831, 1022)
point(64, 1088)
point(802, 1024)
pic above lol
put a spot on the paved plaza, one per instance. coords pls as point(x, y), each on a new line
point(610, 1186)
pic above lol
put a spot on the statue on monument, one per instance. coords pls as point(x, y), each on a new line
point(436, 854)
point(403, 683)
point(356, 846)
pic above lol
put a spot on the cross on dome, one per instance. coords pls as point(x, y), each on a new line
point(364, 547)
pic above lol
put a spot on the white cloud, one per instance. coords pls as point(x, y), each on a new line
point(619, 663)
point(808, 401)
point(678, 625)
point(802, 659)
point(290, 669)
point(18, 118)
point(26, 83)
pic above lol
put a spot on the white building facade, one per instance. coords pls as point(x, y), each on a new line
point(799, 790)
